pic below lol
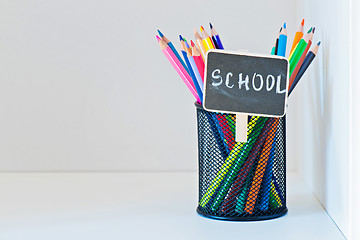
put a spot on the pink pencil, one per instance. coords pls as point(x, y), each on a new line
point(198, 60)
point(178, 67)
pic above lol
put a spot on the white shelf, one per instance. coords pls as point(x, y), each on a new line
point(123, 206)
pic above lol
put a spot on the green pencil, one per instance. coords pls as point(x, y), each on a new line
point(298, 51)
point(245, 150)
point(227, 165)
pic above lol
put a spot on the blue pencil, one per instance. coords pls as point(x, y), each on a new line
point(216, 38)
point(194, 67)
point(167, 41)
point(282, 42)
point(192, 74)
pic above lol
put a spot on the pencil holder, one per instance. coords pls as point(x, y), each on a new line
point(241, 181)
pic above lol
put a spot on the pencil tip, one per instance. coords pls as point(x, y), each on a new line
point(310, 30)
point(284, 25)
point(192, 43)
point(201, 28)
point(280, 29)
point(157, 37)
point(211, 26)
point(302, 22)
point(160, 33)
point(314, 30)
point(181, 38)
point(186, 44)
point(319, 43)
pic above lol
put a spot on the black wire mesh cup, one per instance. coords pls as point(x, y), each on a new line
point(241, 181)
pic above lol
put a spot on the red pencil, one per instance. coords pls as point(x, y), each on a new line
point(297, 68)
point(198, 60)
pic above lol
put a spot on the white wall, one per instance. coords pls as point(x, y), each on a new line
point(354, 122)
point(84, 85)
point(323, 116)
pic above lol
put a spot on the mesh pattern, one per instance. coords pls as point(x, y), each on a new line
point(241, 181)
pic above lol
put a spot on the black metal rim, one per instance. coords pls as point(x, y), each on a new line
point(242, 219)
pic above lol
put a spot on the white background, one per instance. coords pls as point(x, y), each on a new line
point(85, 86)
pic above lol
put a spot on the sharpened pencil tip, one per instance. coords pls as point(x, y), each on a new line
point(201, 28)
point(319, 43)
point(181, 38)
point(310, 30)
point(186, 44)
point(211, 26)
point(157, 37)
point(192, 43)
point(160, 33)
point(314, 30)
point(302, 22)
point(284, 25)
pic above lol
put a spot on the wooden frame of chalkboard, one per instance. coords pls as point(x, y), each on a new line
point(245, 83)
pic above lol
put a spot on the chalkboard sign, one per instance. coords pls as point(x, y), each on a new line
point(246, 83)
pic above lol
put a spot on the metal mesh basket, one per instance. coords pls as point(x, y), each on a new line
point(241, 181)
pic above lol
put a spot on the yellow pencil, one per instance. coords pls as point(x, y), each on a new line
point(208, 44)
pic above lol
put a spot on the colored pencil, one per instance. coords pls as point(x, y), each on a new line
point(230, 201)
point(218, 134)
point(208, 44)
point(298, 35)
point(298, 51)
point(282, 42)
point(198, 60)
point(261, 166)
point(194, 67)
point(265, 193)
point(200, 44)
point(216, 38)
point(192, 74)
point(277, 43)
point(227, 166)
point(229, 137)
point(273, 51)
point(238, 166)
point(307, 61)
point(167, 41)
point(178, 67)
point(298, 65)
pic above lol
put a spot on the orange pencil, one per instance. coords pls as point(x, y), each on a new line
point(297, 68)
point(199, 44)
point(298, 35)
point(260, 170)
point(208, 44)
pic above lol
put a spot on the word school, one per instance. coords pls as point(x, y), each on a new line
point(257, 82)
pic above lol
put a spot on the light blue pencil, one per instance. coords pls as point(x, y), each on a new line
point(195, 69)
point(282, 42)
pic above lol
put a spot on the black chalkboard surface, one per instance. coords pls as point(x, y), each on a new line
point(246, 83)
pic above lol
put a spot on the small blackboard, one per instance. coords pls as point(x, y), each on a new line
point(246, 83)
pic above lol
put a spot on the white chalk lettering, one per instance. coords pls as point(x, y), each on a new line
point(245, 81)
point(261, 82)
point(269, 87)
point(227, 81)
point(278, 86)
point(215, 84)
